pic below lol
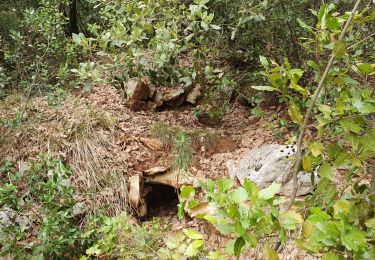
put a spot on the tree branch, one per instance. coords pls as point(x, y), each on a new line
point(299, 155)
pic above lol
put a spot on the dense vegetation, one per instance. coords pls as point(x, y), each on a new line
point(316, 58)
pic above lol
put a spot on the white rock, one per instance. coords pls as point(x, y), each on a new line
point(271, 163)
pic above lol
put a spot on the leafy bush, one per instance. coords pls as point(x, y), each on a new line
point(245, 213)
point(41, 199)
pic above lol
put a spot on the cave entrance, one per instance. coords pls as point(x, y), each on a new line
point(161, 200)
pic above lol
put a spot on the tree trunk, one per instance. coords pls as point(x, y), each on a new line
point(73, 15)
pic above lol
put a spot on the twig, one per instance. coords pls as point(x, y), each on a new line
point(299, 155)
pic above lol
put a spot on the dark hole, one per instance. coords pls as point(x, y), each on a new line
point(161, 201)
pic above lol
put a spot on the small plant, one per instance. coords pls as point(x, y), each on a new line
point(120, 237)
point(42, 198)
point(182, 147)
point(245, 213)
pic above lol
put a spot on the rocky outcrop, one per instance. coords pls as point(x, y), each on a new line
point(271, 163)
point(141, 95)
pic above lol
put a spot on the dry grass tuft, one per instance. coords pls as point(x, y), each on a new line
point(84, 136)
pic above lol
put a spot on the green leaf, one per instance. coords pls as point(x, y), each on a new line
point(264, 61)
point(95, 250)
point(186, 191)
point(306, 163)
point(269, 253)
point(270, 191)
point(194, 248)
point(175, 240)
point(339, 49)
point(364, 108)
point(355, 240)
point(299, 89)
point(316, 148)
point(304, 25)
point(325, 171)
point(215, 255)
point(215, 27)
point(238, 245)
point(351, 125)
point(332, 256)
point(192, 234)
point(264, 88)
point(366, 68)
point(239, 195)
point(290, 219)
point(251, 188)
point(341, 206)
point(295, 113)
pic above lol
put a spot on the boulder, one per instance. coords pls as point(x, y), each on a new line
point(272, 163)
point(137, 94)
point(136, 90)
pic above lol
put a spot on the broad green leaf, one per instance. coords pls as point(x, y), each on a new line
point(364, 107)
point(366, 68)
point(299, 89)
point(325, 171)
point(326, 110)
point(290, 219)
point(313, 65)
point(194, 248)
point(332, 23)
point(264, 61)
point(215, 255)
point(339, 49)
point(205, 25)
point(186, 191)
point(341, 206)
point(239, 195)
point(306, 163)
point(175, 240)
point(270, 191)
point(225, 229)
point(355, 240)
point(351, 125)
point(264, 88)
point(192, 234)
point(238, 245)
point(295, 113)
point(269, 253)
point(316, 148)
point(224, 184)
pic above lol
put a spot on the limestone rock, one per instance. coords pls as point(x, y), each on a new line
point(10, 217)
point(195, 94)
point(271, 163)
point(156, 170)
point(135, 190)
point(172, 178)
point(137, 93)
point(136, 90)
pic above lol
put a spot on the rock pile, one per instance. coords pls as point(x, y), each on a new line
point(141, 95)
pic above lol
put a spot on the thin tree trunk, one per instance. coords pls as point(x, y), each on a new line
point(73, 17)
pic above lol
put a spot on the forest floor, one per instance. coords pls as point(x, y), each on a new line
point(105, 143)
